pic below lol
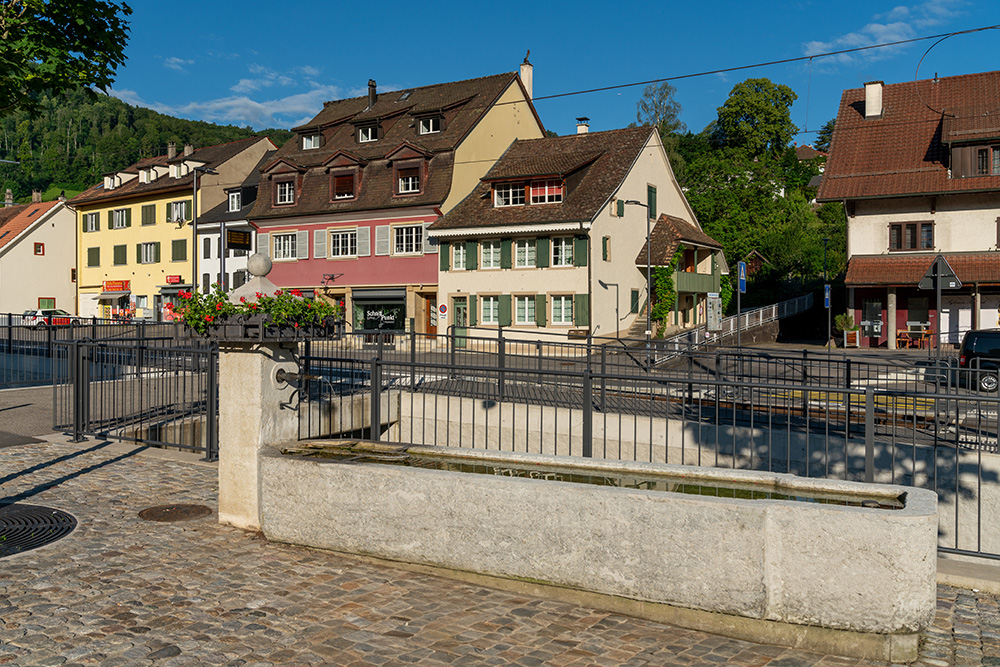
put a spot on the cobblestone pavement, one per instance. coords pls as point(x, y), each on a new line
point(123, 591)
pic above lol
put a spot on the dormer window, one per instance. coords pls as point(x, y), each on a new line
point(369, 133)
point(408, 180)
point(235, 201)
point(988, 161)
point(430, 125)
point(343, 186)
point(508, 194)
point(109, 182)
point(310, 141)
point(546, 192)
point(284, 193)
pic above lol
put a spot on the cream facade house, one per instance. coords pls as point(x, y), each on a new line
point(37, 257)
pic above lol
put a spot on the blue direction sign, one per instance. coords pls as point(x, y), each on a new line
point(826, 296)
point(742, 267)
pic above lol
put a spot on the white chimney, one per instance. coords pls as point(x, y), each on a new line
point(582, 125)
point(526, 74)
point(188, 149)
point(873, 99)
point(8, 200)
point(36, 197)
point(171, 150)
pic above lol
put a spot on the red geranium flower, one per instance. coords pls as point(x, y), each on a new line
point(209, 318)
point(278, 292)
point(218, 306)
point(296, 292)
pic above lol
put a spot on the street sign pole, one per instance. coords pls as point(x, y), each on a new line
point(826, 302)
point(939, 276)
point(741, 269)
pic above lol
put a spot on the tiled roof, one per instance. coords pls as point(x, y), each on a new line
point(609, 156)
point(210, 155)
point(807, 153)
point(248, 188)
point(8, 212)
point(461, 105)
point(667, 234)
point(26, 216)
point(904, 151)
point(908, 269)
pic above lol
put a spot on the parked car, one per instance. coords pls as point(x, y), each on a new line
point(45, 317)
point(979, 359)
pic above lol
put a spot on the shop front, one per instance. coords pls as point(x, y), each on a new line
point(379, 310)
point(114, 301)
point(169, 294)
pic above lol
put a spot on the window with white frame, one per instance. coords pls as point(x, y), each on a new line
point(177, 211)
point(310, 141)
point(235, 201)
point(344, 243)
point(562, 309)
point(147, 253)
point(524, 310)
point(491, 254)
point(119, 218)
point(458, 257)
point(141, 301)
point(430, 125)
point(369, 133)
point(409, 239)
point(284, 192)
point(546, 192)
point(491, 309)
point(508, 194)
point(409, 180)
point(284, 246)
point(562, 251)
point(524, 254)
point(91, 222)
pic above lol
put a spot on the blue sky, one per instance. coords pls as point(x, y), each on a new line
point(267, 64)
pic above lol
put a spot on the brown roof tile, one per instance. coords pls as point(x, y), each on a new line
point(907, 269)
point(26, 215)
point(904, 152)
point(667, 234)
point(604, 158)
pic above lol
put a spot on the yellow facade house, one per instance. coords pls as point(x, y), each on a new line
point(135, 232)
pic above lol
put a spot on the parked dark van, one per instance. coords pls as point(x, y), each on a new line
point(979, 359)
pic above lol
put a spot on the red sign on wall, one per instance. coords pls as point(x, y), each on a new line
point(117, 285)
point(173, 280)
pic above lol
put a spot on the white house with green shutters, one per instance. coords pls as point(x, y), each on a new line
point(546, 244)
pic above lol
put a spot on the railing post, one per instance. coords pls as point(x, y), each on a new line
point(847, 396)
point(588, 413)
point(93, 327)
point(413, 352)
point(869, 434)
point(50, 333)
point(451, 351)
point(501, 363)
point(805, 385)
point(81, 390)
point(538, 349)
point(212, 411)
point(604, 378)
point(10, 334)
point(376, 398)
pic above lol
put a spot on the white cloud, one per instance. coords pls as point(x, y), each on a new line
point(266, 77)
point(176, 63)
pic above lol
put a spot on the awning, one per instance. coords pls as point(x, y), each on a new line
point(379, 294)
point(112, 295)
point(173, 289)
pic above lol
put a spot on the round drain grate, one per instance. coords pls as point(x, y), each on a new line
point(26, 527)
point(174, 512)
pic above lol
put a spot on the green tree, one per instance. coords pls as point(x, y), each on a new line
point(57, 45)
point(757, 118)
point(825, 136)
point(658, 108)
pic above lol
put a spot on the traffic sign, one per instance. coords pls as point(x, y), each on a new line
point(826, 296)
point(742, 268)
point(443, 308)
point(940, 270)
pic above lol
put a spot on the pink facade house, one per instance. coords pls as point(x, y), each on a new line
point(344, 206)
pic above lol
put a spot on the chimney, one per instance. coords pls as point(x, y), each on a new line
point(8, 199)
point(526, 74)
point(188, 149)
point(582, 125)
point(873, 99)
point(372, 95)
point(62, 195)
point(171, 150)
point(36, 196)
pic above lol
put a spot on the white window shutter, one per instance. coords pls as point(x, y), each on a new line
point(430, 244)
point(382, 240)
point(364, 241)
point(302, 245)
point(319, 243)
point(264, 244)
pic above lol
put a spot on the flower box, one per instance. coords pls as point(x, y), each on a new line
point(261, 328)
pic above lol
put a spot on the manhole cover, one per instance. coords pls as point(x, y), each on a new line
point(174, 512)
point(26, 527)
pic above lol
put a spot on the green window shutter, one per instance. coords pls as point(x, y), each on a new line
point(444, 255)
point(128, 217)
point(605, 242)
point(542, 252)
point(149, 214)
point(119, 255)
point(540, 310)
point(187, 209)
point(581, 310)
point(97, 222)
point(635, 301)
point(505, 310)
point(93, 256)
point(178, 250)
point(83, 221)
point(472, 310)
point(580, 251)
point(621, 208)
point(111, 219)
point(471, 255)
point(156, 252)
point(138, 253)
point(651, 201)
point(505, 262)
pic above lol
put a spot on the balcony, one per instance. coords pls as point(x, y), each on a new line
point(701, 283)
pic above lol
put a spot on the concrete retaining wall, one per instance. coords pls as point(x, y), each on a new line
point(866, 571)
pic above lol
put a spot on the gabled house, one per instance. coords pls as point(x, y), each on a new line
point(37, 256)
point(134, 230)
point(917, 167)
point(344, 206)
point(548, 242)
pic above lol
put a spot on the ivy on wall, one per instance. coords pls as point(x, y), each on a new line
point(663, 288)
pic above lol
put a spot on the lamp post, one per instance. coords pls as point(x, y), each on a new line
point(194, 224)
point(649, 278)
point(617, 318)
point(829, 309)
